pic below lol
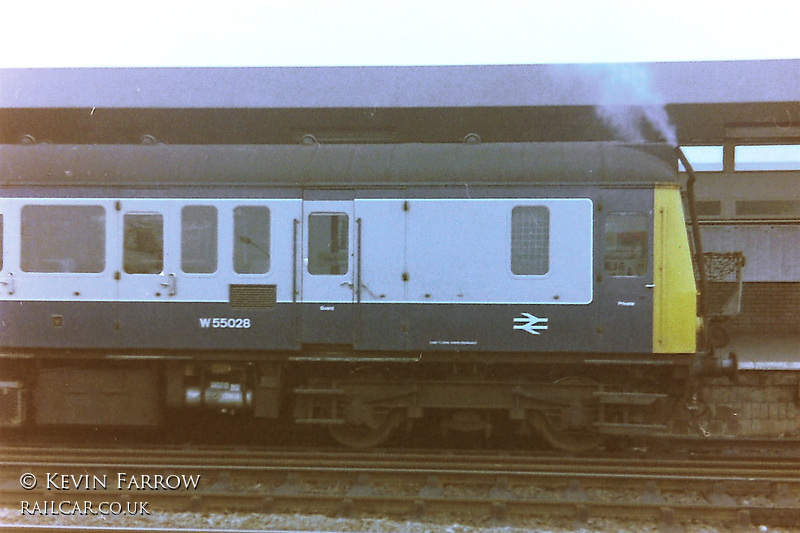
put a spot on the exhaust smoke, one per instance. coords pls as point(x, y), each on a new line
point(630, 105)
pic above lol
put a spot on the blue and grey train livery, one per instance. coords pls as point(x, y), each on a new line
point(353, 286)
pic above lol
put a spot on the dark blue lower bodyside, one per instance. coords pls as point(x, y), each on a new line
point(366, 327)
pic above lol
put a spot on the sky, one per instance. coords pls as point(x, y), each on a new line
point(178, 33)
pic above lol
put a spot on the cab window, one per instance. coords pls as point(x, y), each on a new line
point(626, 244)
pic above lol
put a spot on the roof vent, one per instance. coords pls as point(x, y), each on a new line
point(309, 140)
point(471, 138)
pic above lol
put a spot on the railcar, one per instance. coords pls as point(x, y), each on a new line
point(356, 287)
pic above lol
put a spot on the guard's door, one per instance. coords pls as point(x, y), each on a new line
point(328, 275)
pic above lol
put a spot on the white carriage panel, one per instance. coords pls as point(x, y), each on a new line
point(60, 282)
point(9, 209)
point(383, 235)
point(282, 271)
point(452, 250)
point(206, 286)
point(459, 251)
point(569, 279)
point(213, 286)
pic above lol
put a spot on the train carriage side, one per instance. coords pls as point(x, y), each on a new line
point(204, 276)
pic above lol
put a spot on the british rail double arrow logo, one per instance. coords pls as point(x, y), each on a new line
point(530, 323)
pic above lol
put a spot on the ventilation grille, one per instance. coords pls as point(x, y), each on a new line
point(768, 208)
point(252, 296)
point(709, 208)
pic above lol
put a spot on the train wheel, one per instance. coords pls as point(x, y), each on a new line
point(573, 441)
point(571, 427)
point(364, 426)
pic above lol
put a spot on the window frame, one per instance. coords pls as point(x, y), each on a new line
point(213, 245)
point(646, 251)
point(97, 253)
point(547, 244)
point(126, 249)
point(341, 234)
point(265, 249)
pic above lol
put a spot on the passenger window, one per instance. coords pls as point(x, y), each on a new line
point(251, 239)
point(144, 243)
point(626, 244)
point(328, 244)
point(530, 240)
point(63, 238)
point(199, 239)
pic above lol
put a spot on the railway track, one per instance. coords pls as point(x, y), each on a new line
point(501, 486)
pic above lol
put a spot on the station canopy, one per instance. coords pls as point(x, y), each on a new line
point(691, 103)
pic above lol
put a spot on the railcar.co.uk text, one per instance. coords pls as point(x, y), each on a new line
point(122, 481)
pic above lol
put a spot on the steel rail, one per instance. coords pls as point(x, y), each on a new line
point(498, 507)
point(418, 484)
point(226, 456)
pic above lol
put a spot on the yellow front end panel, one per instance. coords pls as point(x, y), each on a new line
point(675, 292)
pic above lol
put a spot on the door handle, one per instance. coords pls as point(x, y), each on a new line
point(171, 284)
point(364, 286)
point(9, 283)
